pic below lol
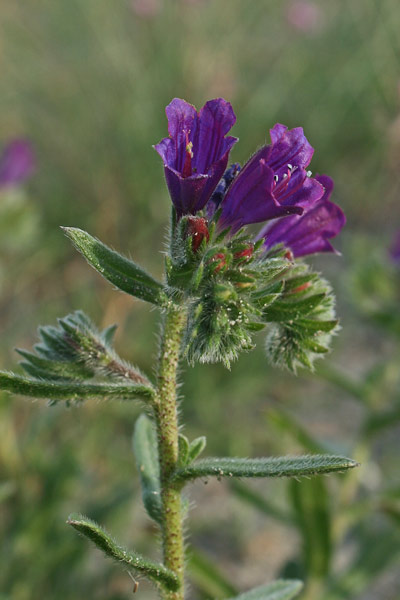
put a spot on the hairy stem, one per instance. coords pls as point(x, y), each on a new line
point(167, 426)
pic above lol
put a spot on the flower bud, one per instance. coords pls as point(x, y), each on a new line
point(198, 230)
point(245, 254)
point(218, 262)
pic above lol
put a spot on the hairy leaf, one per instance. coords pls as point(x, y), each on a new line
point(155, 572)
point(117, 269)
point(54, 391)
point(145, 448)
point(283, 466)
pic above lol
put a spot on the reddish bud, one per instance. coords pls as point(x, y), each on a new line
point(219, 261)
point(289, 255)
point(197, 229)
point(244, 255)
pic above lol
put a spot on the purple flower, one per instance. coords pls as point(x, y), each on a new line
point(310, 232)
point(196, 152)
point(273, 183)
point(17, 163)
point(394, 250)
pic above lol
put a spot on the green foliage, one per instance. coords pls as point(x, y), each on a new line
point(196, 447)
point(73, 392)
point(117, 269)
point(155, 572)
point(279, 590)
point(310, 502)
point(303, 321)
point(145, 447)
point(284, 466)
point(235, 289)
point(77, 351)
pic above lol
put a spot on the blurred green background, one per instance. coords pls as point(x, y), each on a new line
point(87, 82)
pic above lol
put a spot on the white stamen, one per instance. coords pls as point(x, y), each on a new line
point(290, 167)
point(284, 175)
point(309, 173)
point(276, 178)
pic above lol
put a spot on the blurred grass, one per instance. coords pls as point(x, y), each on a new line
point(88, 81)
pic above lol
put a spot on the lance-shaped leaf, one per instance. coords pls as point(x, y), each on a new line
point(153, 571)
point(279, 590)
point(117, 269)
point(54, 390)
point(145, 448)
point(283, 466)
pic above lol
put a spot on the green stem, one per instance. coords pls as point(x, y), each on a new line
point(167, 426)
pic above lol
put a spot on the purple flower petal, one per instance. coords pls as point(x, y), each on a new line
point(17, 163)
point(309, 233)
point(299, 189)
point(273, 183)
point(250, 198)
point(328, 184)
point(197, 151)
point(216, 118)
point(289, 146)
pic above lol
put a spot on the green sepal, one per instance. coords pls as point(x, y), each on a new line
point(283, 466)
point(117, 269)
point(302, 322)
point(145, 448)
point(279, 590)
point(291, 309)
point(155, 572)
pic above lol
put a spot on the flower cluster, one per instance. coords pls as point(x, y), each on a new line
point(274, 186)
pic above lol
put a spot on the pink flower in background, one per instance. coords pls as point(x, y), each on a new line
point(17, 163)
point(147, 9)
point(304, 16)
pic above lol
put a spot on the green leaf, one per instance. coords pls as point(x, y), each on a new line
point(117, 269)
point(155, 572)
point(279, 590)
point(52, 390)
point(310, 503)
point(145, 447)
point(183, 451)
point(284, 466)
point(196, 447)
